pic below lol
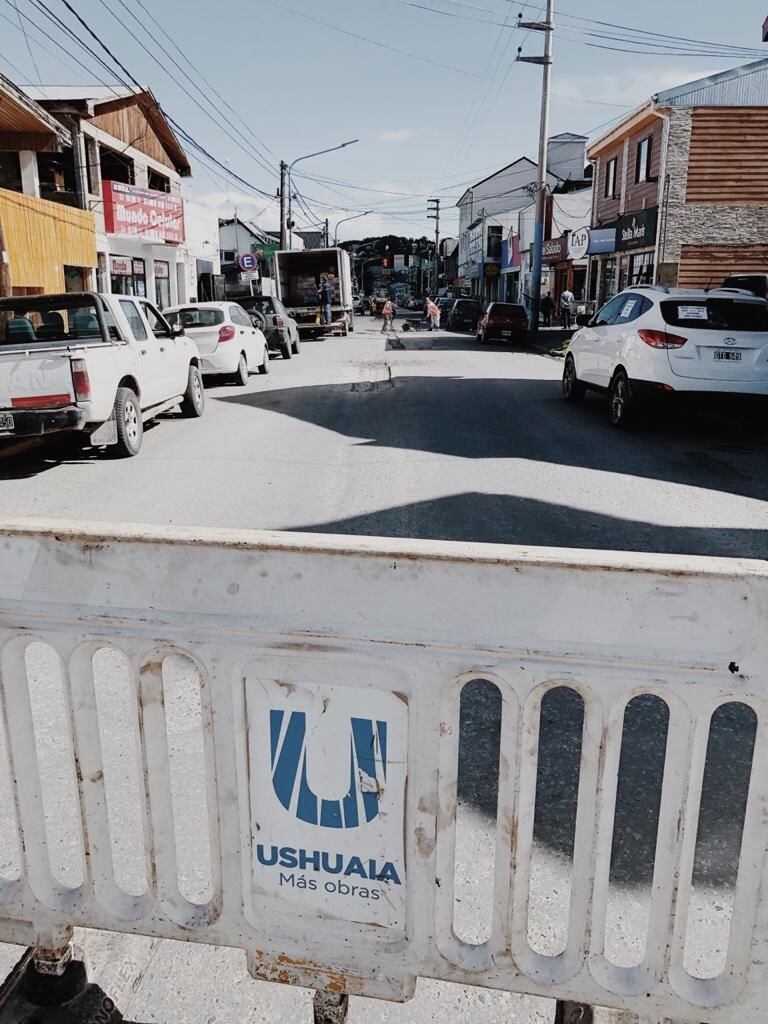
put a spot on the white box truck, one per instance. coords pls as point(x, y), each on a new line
point(297, 277)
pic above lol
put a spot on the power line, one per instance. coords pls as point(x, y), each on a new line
point(26, 40)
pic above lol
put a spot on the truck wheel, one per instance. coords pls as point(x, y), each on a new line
point(285, 349)
point(130, 428)
point(296, 346)
point(193, 403)
point(352, 325)
point(264, 366)
point(241, 374)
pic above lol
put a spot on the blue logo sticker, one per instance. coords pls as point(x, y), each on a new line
point(289, 770)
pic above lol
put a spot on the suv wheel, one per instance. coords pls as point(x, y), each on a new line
point(573, 389)
point(285, 349)
point(621, 404)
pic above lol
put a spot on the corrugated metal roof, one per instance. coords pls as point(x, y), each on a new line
point(745, 86)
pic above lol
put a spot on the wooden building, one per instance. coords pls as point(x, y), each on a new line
point(47, 243)
point(681, 194)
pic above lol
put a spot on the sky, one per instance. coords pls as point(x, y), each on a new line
point(430, 88)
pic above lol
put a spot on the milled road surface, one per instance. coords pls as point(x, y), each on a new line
point(428, 436)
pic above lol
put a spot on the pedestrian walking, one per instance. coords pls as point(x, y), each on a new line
point(325, 295)
point(566, 300)
point(433, 313)
point(547, 305)
point(388, 312)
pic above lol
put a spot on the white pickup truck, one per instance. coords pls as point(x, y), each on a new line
point(99, 364)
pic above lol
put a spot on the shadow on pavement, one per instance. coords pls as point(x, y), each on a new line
point(495, 418)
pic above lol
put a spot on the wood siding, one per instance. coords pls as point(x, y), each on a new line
point(41, 237)
point(643, 195)
point(607, 210)
point(131, 126)
point(729, 156)
point(701, 265)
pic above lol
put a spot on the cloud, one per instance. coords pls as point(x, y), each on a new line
point(398, 135)
point(629, 87)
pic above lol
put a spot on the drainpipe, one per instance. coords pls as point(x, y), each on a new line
point(663, 205)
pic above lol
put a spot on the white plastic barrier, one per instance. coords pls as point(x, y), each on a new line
point(251, 740)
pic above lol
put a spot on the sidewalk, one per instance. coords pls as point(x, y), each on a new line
point(551, 339)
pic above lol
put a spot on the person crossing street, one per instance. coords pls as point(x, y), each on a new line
point(433, 312)
point(388, 313)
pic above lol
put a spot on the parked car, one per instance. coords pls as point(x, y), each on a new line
point(503, 321)
point(445, 305)
point(359, 304)
point(658, 343)
point(755, 283)
point(280, 329)
point(464, 315)
point(227, 340)
point(97, 366)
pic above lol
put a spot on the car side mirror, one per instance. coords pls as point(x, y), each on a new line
point(583, 320)
point(177, 330)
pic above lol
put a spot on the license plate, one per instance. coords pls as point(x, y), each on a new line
point(6, 422)
point(506, 334)
point(727, 355)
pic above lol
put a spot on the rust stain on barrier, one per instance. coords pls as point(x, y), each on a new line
point(288, 970)
point(425, 843)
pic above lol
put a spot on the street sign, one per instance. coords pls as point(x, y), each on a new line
point(248, 261)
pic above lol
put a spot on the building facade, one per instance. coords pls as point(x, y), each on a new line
point(681, 185)
point(47, 242)
point(129, 167)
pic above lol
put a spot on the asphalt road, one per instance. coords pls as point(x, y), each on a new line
point(430, 436)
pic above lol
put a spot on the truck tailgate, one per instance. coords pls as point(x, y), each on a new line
point(30, 380)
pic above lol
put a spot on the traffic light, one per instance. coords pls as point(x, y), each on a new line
point(385, 262)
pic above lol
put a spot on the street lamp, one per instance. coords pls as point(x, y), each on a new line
point(298, 159)
point(344, 220)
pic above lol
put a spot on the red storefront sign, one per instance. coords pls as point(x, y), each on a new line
point(134, 212)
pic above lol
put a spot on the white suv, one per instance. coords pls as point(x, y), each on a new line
point(651, 342)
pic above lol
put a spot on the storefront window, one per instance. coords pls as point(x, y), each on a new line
point(162, 284)
point(641, 271)
point(128, 276)
point(608, 282)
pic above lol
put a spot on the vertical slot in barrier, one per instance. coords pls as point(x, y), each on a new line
point(10, 854)
point(184, 719)
point(477, 810)
point(561, 725)
point(635, 829)
point(56, 763)
point(722, 810)
point(122, 765)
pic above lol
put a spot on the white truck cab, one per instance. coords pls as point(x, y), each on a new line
point(99, 364)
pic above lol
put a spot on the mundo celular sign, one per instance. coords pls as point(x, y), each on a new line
point(327, 793)
point(135, 212)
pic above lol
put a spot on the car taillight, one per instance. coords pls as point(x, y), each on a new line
point(81, 380)
point(279, 322)
point(226, 333)
point(660, 339)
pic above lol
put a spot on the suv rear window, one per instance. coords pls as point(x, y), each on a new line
point(195, 317)
point(716, 314)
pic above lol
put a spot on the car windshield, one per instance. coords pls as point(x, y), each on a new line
point(262, 304)
point(53, 318)
point(716, 314)
point(507, 309)
point(195, 317)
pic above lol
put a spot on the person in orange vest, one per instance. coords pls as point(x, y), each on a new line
point(433, 312)
point(388, 313)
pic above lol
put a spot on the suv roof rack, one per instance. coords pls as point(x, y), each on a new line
point(650, 287)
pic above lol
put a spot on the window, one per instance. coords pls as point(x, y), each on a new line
point(10, 172)
point(643, 161)
point(641, 269)
point(157, 324)
point(134, 319)
point(716, 314)
point(227, 255)
point(162, 284)
point(116, 166)
point(605, 316)
point(632, 307)
point(193, 316)
point(158, 182)
point(26, 319)
point(610, 179)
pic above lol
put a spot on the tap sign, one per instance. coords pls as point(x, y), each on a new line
point(327, 798)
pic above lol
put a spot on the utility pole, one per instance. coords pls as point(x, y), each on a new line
point(327, 237)
point(548, 28)
point(283, 229)
point(434, 214)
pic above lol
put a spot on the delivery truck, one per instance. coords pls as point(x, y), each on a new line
point(297, 277)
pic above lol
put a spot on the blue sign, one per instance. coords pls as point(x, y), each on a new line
point(248, 261)
point(602, 240)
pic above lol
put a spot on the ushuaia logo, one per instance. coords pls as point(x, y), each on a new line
point(288, 744)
